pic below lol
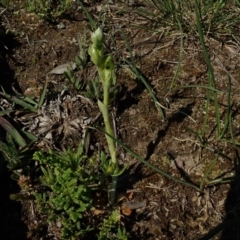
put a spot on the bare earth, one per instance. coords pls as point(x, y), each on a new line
point(171, 210)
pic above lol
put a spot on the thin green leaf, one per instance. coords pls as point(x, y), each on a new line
point(176, 74)
point(30, 136)
point(142, 78)
point(228, 114)
point(19, 101)
point(90, 18)
point(208, 171)
point(211, 78)
point(202, 86)
point(13, 132)
point(43, 94)
point(6, 112)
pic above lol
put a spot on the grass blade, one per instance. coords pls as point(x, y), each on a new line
point(208, 171)
point(149, 164)
point(180, 58)
point(13, 132)
point(201, 86)
point(5, 112)
point(142, 78)
point(90, 18)
point(211, 78)
point(43, 94)
point(228, 114)
point(20, 102)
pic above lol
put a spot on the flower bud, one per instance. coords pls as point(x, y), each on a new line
point(97, 38)
point(96, 55)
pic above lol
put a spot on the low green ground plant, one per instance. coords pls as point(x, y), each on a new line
point(110, 228)
point(68, 177)
point(72, 180)
point(48, 9)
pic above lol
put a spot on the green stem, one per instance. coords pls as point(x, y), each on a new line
point(111, 146)
point(106, 96)
point(112, 190)
point(108, 129)
point(105, 68)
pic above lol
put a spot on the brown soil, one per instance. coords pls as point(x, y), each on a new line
point(173, 211)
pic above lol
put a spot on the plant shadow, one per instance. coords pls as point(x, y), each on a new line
point(229, 229)
point(231, 222)
point(12, 226)
point(7, 44)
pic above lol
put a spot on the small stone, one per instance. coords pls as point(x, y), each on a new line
point(61, 25)
point(59, 224)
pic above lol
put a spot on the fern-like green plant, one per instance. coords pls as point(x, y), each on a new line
point(69, 176)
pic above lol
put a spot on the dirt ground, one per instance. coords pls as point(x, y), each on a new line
point(172, 211)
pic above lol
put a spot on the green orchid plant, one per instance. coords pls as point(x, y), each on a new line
point(106, 71)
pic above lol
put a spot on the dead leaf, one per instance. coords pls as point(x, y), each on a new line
point(98, 211)
point(135, 205)
point(130, 195)
point(126, 211)
point(63, 68)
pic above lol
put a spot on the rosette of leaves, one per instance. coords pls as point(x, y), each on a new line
point(69, 177)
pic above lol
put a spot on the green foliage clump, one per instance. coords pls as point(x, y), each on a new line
point(5, 3)
point(68, 176)
point(17, 159)
point(71, 180)
point(110, 228)
point(48, 9)
point(15, 150)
